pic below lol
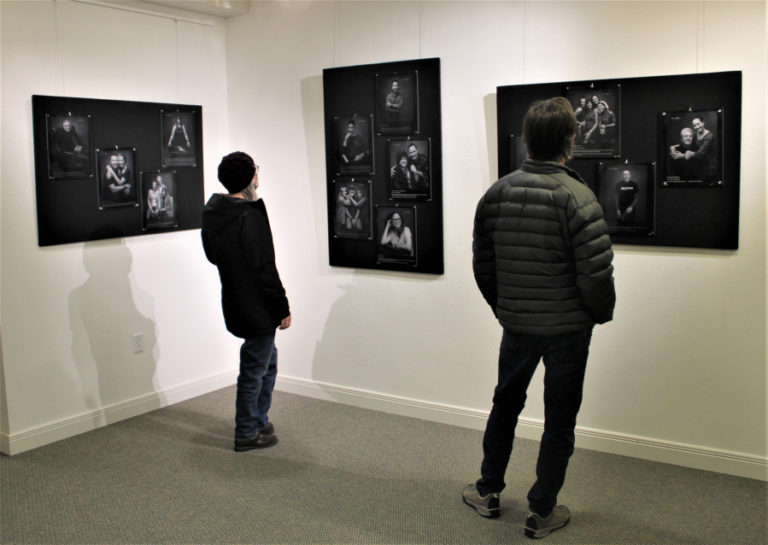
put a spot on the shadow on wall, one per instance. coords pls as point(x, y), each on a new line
point(113, 366)
point(343, 344)
point(491, 129)
point(374, 337)
point(314, 141)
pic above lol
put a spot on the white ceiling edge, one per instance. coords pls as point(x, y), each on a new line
point(219, 8)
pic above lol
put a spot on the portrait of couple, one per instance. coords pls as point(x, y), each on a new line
point(353, 206)
point(409, 172)
point(692, 148)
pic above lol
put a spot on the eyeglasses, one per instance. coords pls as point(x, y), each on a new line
point(257, 168)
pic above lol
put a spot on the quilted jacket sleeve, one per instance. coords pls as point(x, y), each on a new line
point(593, 258)
point(484, 258)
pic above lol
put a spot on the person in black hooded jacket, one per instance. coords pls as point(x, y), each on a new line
point(237, 239)
point(542, 260)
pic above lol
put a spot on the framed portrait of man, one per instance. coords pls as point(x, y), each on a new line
point(159, 200)
point(117, 185)
point(626, 194)
point(397, 103)
point(69, 146)
point(691, 148)
point(598, 120)
point(409, 168)
point(396, 234)
point(354, 138)
point(178, 138)
point(353, 208)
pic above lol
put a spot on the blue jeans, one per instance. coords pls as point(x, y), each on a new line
point(565, 360)
point(258, 369)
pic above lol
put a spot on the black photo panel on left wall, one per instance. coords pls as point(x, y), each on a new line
point(89, 155)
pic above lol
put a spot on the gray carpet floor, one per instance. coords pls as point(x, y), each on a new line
point(342, 475)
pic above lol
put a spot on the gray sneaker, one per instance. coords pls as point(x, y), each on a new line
point(487, 506)
point(537, 526)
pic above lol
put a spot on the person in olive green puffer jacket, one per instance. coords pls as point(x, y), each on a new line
point(542, 259)
point(542, 254)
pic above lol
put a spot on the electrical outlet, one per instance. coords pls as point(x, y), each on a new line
point(138, 343)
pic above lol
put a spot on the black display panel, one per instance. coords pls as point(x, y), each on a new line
point(384, 174)
point(694, 200)
point(93, 160)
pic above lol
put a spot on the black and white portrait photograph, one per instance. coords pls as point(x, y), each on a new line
point(597, 118)
point(69, 146)
point(178, 138)
point(397, 107)
point(354, 138)
point(409, 168)
point(396, 233)
point(625, 191)
point(158, 197)
point(692, 148)
point(117, 185)
point(353, 209)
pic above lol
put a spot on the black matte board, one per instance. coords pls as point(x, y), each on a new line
point(358, 94)
point(694, 215)
point(69, 206)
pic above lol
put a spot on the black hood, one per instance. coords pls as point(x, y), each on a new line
point(221, 210)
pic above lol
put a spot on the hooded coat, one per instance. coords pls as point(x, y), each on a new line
point(237, 239)
point(541, 252)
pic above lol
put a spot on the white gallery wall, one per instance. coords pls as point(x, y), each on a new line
point(681, 372)
point(69, 312)
point(678, 376)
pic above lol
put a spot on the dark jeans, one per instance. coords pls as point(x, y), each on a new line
point(565, 360)
point(628, 218)
point(258, 369)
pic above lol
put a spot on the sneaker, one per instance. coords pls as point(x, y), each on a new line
point(259, 440)
point(537, 526)
point(487, 506)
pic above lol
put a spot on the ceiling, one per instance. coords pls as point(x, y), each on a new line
point(220, 8)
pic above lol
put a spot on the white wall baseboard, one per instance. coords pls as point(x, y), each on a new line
point(720, 461)
point(16, 443)
point(732, 463)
